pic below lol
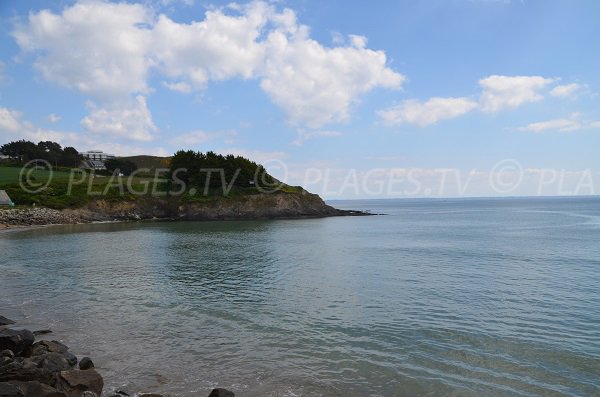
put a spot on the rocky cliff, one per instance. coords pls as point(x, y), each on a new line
point(256, 206)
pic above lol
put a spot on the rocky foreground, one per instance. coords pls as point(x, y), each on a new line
point(46, 368)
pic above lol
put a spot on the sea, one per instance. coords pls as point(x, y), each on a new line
point(436, 297)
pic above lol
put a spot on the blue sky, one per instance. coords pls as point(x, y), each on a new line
point(317, 88)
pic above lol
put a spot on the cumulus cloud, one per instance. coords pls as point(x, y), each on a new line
point(118, 44)
point(315, 85)
point(498, 93)
point(566, 90)
point(97, 48)
point(220, 47)
point(14, 126)
point(132, 120)
point(507, 92)
point(181, 87)
point(10, 120)
point(426, 113)
point(561, 125)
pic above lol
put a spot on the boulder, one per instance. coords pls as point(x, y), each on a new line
point(42, 332)
point(74, 382)
point(17, 341)
point(25, 374)
point(220, 392)
point(48, 346)
point(6, 321)
point(86, 363)
point(37, 389)
point(10, 390)
point(7, 353)
point(71, 358)
point(55, 362)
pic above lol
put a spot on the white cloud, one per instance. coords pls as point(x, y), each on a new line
point(106, 50)
point(304, 135)
point(10, 120)
point(54, 118)
point(98, 48)
point(506, 92)
point(566, 90)
point(128, 121)
point(14, 126)
point(562, 125)
point(315, 85)
point(219, 47)
point(181, 87)
point(426, 113)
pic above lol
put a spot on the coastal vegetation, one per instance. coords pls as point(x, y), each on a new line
point(187, 185)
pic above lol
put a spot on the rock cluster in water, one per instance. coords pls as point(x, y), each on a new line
point(47, 368)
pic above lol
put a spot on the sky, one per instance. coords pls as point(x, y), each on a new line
point(346, 98)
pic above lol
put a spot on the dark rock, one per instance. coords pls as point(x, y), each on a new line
point(74, 382)
point(71, 358)
point(24, 374)
point(150, 395)
point(48, 346)
point(219, 392)
point(119, 393)
point(86, 363)
point(9, 390)
point(37, 389)
point(55, 362)
point(17, 341)
point(42, 332)
point(4, 361)
point(6, 321)
point(7, 353)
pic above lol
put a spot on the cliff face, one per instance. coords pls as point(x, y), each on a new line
point(258, 206)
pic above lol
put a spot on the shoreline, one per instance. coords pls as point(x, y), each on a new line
point(32, 364)
point(29, 218)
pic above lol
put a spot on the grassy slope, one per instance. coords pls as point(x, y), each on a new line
point(57, 194)
point(10, 175)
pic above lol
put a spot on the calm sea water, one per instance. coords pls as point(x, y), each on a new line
point(470, 297)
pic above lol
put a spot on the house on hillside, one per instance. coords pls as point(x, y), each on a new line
point(5, 201)
point(97, 155)
point(95, 159)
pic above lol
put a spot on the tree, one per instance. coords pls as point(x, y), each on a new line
point(70, 157)
point(22, 150)
point(126, 167)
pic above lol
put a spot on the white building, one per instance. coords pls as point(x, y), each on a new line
point(97, 155)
